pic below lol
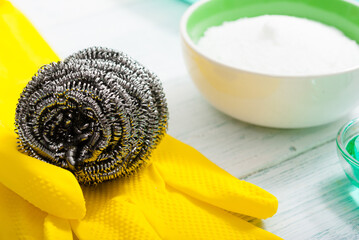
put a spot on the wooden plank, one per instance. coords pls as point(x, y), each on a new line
point(316, 201)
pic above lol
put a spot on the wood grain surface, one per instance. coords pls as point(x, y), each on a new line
point(300, 166)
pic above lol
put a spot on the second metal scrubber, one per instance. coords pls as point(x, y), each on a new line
point(98, 114)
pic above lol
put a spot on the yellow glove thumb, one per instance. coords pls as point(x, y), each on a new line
point(50, 188)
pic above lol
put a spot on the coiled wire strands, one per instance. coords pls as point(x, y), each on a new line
point(98, 114)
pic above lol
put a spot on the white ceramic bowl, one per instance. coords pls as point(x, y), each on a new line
point(268, 100)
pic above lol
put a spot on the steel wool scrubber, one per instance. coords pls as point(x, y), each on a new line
point(97, 114)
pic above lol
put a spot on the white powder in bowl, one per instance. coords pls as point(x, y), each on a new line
point(280, 45)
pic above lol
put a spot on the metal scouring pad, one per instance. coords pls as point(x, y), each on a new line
point(98, 114)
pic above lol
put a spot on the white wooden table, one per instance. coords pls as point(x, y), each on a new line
point(300, 167)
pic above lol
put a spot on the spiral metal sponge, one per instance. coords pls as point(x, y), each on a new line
point(98, 114)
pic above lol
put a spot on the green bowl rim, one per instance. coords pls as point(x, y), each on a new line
point(187, 40)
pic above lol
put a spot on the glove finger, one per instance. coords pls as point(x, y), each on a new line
point(175, 215)
point(48, 187)
point(57, 228)
point(18, 218)
point(22, 52)
point(111, 216)
point(187, 170)
point(188, 218)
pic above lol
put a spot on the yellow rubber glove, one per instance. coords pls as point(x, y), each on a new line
point(36, 198)
point(180, 195)
point(23, 51)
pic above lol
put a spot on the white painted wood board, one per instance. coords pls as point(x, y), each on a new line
point(299, 166)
